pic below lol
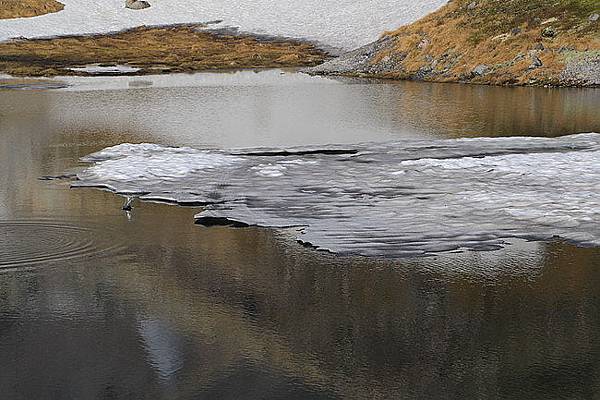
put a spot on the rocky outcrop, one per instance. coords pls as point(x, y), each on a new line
point(582, 69)
point(355, 62)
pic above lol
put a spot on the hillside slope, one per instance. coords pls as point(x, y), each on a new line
point(501, 42)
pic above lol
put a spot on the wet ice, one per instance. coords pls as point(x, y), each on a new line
point(405, 198)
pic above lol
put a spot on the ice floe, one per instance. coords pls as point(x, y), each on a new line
point(408, 198)
point(340, 24)
point(106, 69)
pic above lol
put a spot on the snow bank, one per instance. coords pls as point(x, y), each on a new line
point(343, 24)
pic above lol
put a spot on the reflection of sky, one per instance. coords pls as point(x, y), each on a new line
point(163, 346)
point(3, 206)
point(275, 109)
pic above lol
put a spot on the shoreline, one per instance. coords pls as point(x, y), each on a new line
point(357, 64)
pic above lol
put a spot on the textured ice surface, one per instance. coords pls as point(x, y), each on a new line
point(343, 23)
point(395, 199)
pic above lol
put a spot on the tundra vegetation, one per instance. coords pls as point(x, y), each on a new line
point(502, 42)
point(182, 48)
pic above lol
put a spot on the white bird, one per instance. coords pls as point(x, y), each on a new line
point(128, 203)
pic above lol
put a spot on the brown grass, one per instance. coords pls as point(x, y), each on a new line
point(155, 50)
point(27, 8)
point(500, 34)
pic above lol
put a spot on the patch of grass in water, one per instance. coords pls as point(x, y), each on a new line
point(181, 48)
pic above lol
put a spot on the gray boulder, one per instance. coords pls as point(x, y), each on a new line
point(136, 4)
point(358, 61)
point(549, 32)
point(535, 61)
point(480, 70)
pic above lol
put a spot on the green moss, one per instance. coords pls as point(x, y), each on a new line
point(494, 17)
point(571, 56)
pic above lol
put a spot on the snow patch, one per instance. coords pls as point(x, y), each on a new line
point(343, 24)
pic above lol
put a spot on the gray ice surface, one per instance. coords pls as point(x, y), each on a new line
point(408, 198)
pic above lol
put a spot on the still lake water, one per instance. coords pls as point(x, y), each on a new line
point(98, 304)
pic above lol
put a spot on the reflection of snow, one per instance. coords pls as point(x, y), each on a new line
point(451, 194)
point(3, 207)
point(203, 79)
point(527, 261)
point(342, 23)
point(163, 347)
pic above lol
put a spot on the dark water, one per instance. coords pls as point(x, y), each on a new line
point(98, 304)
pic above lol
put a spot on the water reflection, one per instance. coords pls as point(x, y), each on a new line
point(187, 312)
point(248, 109)
point(471, 110)
point(230, 309)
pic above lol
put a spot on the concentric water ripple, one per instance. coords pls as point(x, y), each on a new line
point(31, 243)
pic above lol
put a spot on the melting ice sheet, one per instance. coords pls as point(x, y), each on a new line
point(396, 199)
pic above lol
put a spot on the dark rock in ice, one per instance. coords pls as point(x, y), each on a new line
point(218, 221)
point(57, 177)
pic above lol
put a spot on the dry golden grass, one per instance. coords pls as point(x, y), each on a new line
point(183, 48)
point(27, 8)
point(502, 35)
